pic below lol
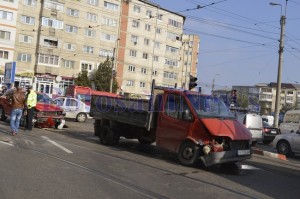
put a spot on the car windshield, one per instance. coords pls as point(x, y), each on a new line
point(44, 98)
point(209, 106)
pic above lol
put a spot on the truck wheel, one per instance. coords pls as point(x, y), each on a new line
point(108, 136)
point(145, 141)
point(188, 153)
point(81, 117)
point(2, 114)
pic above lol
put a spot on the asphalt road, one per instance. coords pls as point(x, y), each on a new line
point(70, 163)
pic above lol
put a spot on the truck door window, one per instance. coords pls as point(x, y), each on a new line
point(175, 106)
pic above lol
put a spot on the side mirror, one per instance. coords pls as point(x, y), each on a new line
point(186, 115)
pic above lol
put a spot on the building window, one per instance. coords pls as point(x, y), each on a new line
point(145, 55)
point(4, 35)
point(91, 17)
point(93, 2)
point(111, 6)
point(147, 27)
point(149, 13)
point(86, 66)
point(9, 1)
point(137, 9)
point(6, 15)
point(72, 12)
point(142, 84)
point(156, 44)
point(108, 37)
point(71, 47)
point(132, 53)
point(159, 17)
point(134, 39)
point(48, 59)
point(69, 64)
point(172, 49)
point(50, 43)
point(27, 20)
point(52, 23)
point(90, 33)
point(29, 3)
point(154, 72)
point(88, 49)
point(3, 54)
point(130, 83)
point(170, 75)
point(71, 29)
point(143, 70)
point(158, 30)
point(155, 58)
point(106, 53)
point(131, 68)
point(23, 57)
point(146, 41)
point(173, 36)
point(135, 23)
point(54, 6)
point(175, 23)
point(26, 38)
point(171, 62)
point(109, 22)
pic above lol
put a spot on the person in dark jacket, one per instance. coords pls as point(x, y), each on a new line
point(18, 103)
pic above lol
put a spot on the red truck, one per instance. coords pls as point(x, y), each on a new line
point(46, 114)
point(192, 125)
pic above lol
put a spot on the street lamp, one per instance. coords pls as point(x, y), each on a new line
point(213, 84)
point(280, 59)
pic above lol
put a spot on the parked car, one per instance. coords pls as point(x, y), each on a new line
point(73, 108)
point(288, 143)
point(269, 133)
point(291, 122)
point(46, 114)
point(269, 119)
point(253, 122)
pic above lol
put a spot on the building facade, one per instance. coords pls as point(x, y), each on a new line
point(52, 41)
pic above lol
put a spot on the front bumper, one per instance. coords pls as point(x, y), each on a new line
point(222, 157)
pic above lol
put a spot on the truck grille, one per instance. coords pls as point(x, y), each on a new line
point(239, 144)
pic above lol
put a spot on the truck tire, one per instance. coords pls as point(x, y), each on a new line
point(108, 136)
point(188, 153)
point(145, 141)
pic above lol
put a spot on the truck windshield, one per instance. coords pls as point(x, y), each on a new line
point(209, 106)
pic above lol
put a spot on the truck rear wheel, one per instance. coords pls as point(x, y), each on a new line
point(188, 153)
point(108, 136)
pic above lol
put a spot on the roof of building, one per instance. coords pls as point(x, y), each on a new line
point(283, 85)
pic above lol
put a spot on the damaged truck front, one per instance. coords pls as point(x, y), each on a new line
point(192, 125)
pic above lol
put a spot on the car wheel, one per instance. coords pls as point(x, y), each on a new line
point(2, 114)
point(81, 117)
point(188, 153)
point(284, 148)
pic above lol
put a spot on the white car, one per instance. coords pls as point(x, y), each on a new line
point(73, 108)
point(288, 143)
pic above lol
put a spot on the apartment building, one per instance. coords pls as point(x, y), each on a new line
point(8, 17)
point(54, 40)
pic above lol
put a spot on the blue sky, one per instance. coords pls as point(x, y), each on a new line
point(239, 40)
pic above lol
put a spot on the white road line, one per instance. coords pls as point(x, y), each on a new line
point(7, 143)
point(56, 144)
point(28, 142)
point(248, 167)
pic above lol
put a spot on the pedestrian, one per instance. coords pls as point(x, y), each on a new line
point(17, 103)
point(31, 99)
point(3, 90)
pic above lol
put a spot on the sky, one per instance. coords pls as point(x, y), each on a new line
point(239, 40)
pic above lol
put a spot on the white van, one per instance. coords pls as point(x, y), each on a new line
point(254, 123)
point(269, 119)
point(291, 122)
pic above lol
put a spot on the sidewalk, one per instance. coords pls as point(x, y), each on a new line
point(262, 152)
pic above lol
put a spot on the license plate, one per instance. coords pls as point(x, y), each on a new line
point(243, 152)
point(273, 132)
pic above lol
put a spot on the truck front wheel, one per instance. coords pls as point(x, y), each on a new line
point(108, 136)
point(188, 153)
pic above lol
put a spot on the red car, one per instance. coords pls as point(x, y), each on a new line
point(46, 115)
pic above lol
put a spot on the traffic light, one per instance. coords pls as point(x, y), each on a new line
point(193, 81)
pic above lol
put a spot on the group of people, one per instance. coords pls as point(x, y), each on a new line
point(22, 104)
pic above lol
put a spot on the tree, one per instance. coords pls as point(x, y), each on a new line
point(102, 77)
point(83, 79)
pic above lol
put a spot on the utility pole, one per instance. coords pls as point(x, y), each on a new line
point(280, 59)
point(112, 71)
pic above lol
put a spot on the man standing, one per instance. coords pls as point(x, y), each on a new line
point(18, 102)
point(31, 99)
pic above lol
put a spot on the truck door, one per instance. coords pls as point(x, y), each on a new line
point(173, 125)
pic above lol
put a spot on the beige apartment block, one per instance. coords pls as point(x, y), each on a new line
point(57, 39)
point(8, 17)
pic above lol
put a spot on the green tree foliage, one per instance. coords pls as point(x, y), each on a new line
point(83, 79)
point(102, 77)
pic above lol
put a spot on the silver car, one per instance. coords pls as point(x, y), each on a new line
point(288, 143)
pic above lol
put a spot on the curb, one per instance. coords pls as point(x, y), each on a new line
point(269, 154)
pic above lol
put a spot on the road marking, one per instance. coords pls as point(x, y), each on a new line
point(56, 144)
point(28, 142)
point(248, 167)
point(7, 143)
